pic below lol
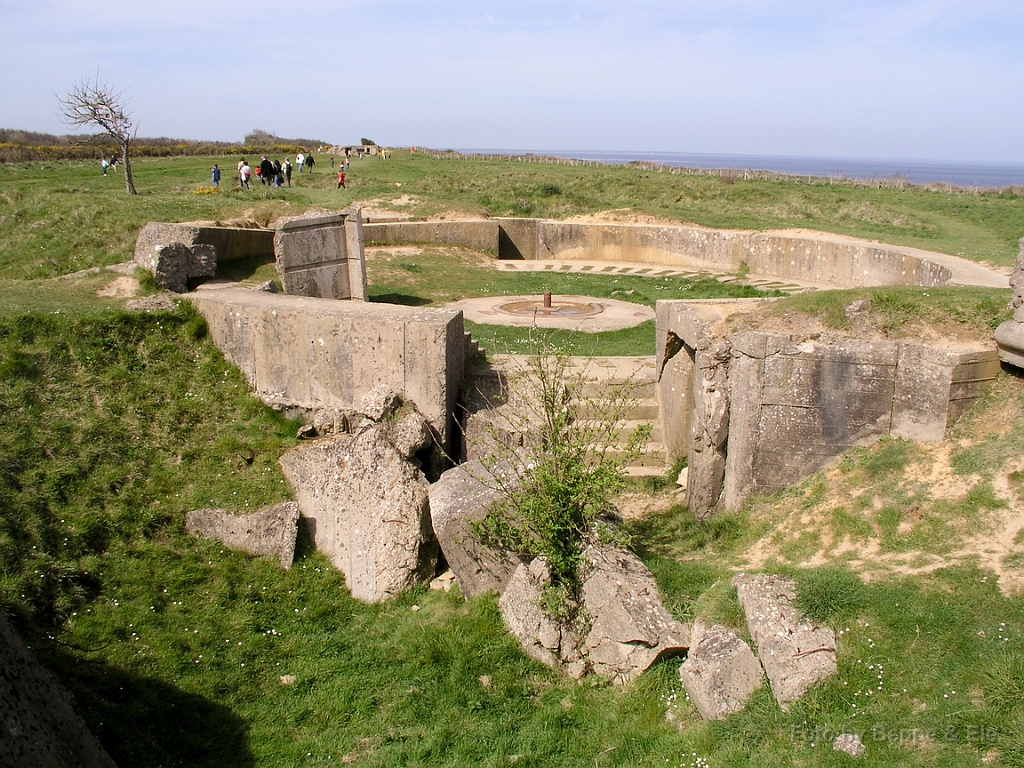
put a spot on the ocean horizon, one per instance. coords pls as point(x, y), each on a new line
point(960, 174)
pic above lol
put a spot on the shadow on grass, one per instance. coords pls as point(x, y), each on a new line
point(145, 722)
point(400, 298)
point(243, 269)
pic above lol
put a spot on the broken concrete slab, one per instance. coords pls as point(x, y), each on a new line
point(367, 510)
point(795, 652)
point(543, 638)
point(39, 727)
point(462, 496)
point(268, 532)
point(720, 673)
point(629, 626)
point(321, 254)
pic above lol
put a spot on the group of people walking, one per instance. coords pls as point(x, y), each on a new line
point(273, 172)
point(269, 172)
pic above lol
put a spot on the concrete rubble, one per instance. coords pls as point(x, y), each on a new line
point(271, 531)
point(623, 627)
point(366, 507)
point(629, 627)
point(1010, 335)
point(795, 652)
point(39, 727)
point(720, 673)
point(178, 267)
point(544, 639)
point(463, 496)
point(849, 743)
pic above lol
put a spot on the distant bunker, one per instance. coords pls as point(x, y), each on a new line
point(813, 258)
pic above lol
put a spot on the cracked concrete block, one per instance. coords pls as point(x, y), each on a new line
point(270, 531)
point(720, 673)
point(462, 496)
point(795, 652)
point(367, 509)
point(629, 626)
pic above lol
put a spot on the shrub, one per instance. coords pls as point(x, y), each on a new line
point(556, 490)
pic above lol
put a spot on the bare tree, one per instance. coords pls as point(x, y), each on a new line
point(96, 103)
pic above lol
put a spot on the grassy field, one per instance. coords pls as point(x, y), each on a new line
point(180, 653)
point(63, 216)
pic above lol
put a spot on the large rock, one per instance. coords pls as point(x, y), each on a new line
point(720, 672)
point(623, 627)
point(544, 639)
point(178, 267)
point(629, 627)
point(462, 496)
point(39, 728)
point(795, 652)
point(368, 511)
point(268, 532)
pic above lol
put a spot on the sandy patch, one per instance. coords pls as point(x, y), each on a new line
point(627, 216)
point(120, 288)
point(390, 251)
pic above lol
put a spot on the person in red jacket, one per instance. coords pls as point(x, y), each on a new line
point(341, 180)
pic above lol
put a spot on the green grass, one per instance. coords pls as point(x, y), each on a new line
point(114, 425)
point(59, 217)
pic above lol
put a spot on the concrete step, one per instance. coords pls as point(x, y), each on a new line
point(628, 426)
point(644, 410)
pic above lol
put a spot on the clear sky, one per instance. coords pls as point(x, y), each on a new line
point(927, 79)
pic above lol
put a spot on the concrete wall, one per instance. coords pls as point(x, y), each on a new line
point(322, 255)
point(480, 235)
point(756, 412)
point(812, 257)
point(232, 243)
point(319, 353)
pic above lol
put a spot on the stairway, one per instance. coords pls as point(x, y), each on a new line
point(605, 372)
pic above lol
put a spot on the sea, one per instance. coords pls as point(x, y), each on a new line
point(967, 175)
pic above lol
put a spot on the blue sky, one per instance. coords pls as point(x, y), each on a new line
point(928, 79)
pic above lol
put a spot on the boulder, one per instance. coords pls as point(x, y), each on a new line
point(410, 433)
point(720, 672)
point(462, 496)
point(178, 267)
point(367, 509)
point(629, 627)
point(39, 728)
point(380, 402)
point(795, 652)
point(270, 531)
point(544, 639)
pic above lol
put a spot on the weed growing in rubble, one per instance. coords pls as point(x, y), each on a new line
point(556, 488)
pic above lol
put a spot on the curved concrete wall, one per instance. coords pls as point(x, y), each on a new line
point(813, 257)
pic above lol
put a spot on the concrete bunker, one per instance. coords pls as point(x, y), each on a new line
point(756, 410)
point(314, 353)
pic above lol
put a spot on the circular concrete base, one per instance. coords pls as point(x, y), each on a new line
point(600, 314)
